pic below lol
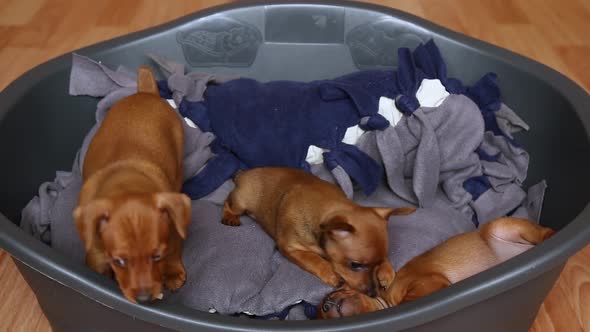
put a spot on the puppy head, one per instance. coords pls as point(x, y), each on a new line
point(134, 232)
point(356, 244)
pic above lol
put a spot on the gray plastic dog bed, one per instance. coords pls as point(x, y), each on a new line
point(41, 128)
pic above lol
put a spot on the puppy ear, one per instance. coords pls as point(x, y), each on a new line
point(178, 208)
point(90, 220)
point(146, 82)
point(385, 212)
point(337, 227)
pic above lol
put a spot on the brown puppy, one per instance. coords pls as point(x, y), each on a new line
point(456, 259)
point(130, 215)
point(315, 225)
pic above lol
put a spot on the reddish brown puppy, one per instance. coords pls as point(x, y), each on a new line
point(454, 260)
point(316, 226)
point(131, 215)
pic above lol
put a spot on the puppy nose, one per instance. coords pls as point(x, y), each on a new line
point(329, 303)
point(143, 296)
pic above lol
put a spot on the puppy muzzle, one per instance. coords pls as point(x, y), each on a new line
point(329, 303)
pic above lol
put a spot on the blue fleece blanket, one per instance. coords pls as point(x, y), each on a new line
point(274, 124)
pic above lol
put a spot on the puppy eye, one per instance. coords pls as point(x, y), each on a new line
point(157, 257)
point(120, 262)
point(356, 266)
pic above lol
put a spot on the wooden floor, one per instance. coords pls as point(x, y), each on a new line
point(556, 33)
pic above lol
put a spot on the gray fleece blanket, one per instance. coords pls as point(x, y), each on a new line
point(233, 270)
point(429, 156)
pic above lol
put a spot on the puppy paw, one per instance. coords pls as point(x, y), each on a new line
point(108, 273)
point(548, 232)
point(100, 265)
point(175, 281)
point(230, 219)
point(129, 295)
point(332, 279)
point(345, 303)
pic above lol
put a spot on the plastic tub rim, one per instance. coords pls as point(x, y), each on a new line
point(485, 285)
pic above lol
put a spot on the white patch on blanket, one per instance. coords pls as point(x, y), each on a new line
point(386, 108)
point(188, 121)
point(171, 102)
point(352, 134)
point(315, 155)
point(389, 111)
point(431, 93)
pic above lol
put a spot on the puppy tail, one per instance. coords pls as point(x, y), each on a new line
point(146, 83)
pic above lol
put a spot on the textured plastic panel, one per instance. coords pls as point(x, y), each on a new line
point(375, 44)
point(220, 42)
point(322, 25)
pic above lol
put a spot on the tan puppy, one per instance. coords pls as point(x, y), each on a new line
point(130, 215)
point(315, 225)
point(456, 259)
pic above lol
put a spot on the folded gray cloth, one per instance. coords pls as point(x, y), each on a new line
point(429, 156)
point(434, 147)
point(509, 122)
point(190, 86)
point(64, 235)
point(92, 78)
point(35, 218)
point(238, 269)
point(511, 166)
point(531, 207)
